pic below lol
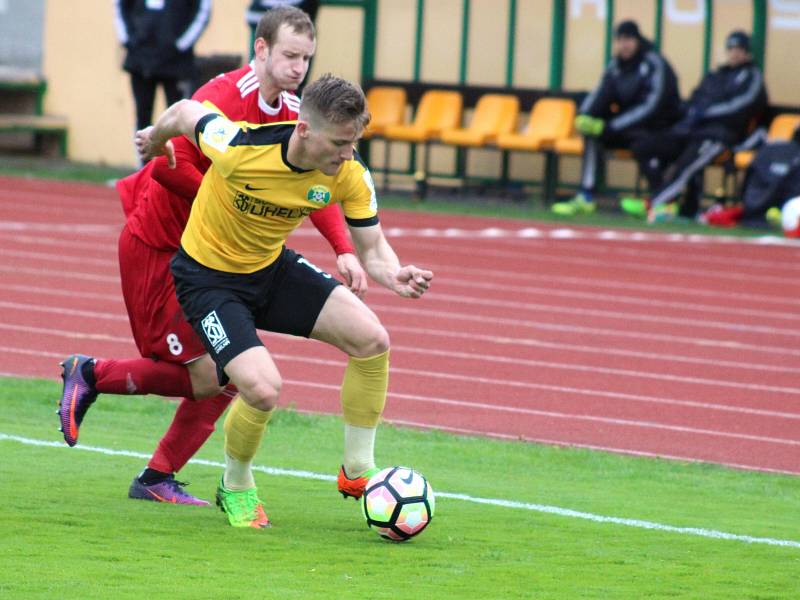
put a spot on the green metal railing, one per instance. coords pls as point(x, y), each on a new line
point(558, 30)
point(708, 32)
point(557, 38)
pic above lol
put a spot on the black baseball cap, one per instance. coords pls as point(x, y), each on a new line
point(738, 39)
point(627, 29)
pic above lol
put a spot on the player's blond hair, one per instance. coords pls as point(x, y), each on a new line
point(334, 100)
point(297, 20)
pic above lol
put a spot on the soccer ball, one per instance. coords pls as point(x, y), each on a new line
point(398, 503)
point(790, 217)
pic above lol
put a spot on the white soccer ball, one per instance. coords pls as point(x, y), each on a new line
point(790, 217)
point(398, 503)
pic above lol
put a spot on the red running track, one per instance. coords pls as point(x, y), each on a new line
point(641, 343)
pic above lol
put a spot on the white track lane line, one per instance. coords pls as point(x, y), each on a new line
point(505, 341)
point(558, 389)
point(425, 313)
point(631, 423)
point(485, 274)
point(496, 502)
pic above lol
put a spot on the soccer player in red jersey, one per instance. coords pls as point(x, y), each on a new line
point(157, 201)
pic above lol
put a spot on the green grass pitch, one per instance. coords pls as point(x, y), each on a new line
point(503, 526)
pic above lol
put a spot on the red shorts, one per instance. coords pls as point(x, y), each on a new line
point(157, 321)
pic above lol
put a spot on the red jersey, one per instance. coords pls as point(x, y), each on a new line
point(157, 200)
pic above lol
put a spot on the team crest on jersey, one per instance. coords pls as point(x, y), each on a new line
point(319, 194)
point(218, 133)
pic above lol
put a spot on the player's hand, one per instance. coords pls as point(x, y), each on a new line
point(353, 274)
point(148, 148)
point(412, 282)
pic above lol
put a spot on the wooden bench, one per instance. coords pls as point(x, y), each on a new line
point(23, 124)
point(49, 132)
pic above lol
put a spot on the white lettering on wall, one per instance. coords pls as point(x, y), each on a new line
point(683, 15)
point(576, 8)
point(784, 14)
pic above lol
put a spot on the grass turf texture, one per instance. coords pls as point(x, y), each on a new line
point(69, 529)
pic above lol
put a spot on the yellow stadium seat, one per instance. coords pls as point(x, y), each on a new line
point(438, 110)
point(495, 115)
point(572, 145)
point(550, 121)
point(781, 129)
point(387, 106)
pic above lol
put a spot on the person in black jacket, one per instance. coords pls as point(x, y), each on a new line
point(159, 36)
point(771, 179)
point(637, 96)
point(720, 113)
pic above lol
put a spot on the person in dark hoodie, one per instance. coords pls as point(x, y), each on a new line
point(159, 37)
point(719, 115)
point(637, 96)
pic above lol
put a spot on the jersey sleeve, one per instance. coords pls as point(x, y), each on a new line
point(330, 224)
point(190, 165)
point(215, 135)
point(359, 201)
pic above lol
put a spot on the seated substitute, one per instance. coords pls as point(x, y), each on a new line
point(234, 275)
point(771, 180)
point(637, 96)
point(719, 115)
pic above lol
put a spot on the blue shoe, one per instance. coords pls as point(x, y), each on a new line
point(77, 396)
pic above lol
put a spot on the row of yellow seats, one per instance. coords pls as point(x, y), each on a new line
point(494, 121)
point(549, 126)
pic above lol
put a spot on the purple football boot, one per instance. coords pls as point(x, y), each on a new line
point(77, 396)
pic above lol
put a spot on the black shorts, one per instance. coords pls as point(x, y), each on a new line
point(225, 309)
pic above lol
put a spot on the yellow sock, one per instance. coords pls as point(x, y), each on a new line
point(364, 390)
point(244, 427)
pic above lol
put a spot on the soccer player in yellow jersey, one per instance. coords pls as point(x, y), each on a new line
point(233, 273)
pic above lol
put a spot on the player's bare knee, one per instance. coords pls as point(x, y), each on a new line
point(374, 343)
point(262, 394)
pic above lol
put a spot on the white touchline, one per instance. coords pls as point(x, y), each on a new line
point(542, 508)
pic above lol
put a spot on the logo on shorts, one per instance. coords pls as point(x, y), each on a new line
point(215, 333)
point(319, 194)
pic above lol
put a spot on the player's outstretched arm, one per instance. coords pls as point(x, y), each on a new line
point(179, 119)
point(183, 180)
point(384, 267)
point(330, 223)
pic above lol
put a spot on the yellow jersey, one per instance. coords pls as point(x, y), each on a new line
point(251, 198)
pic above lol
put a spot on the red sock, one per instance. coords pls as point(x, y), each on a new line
point(142, 376)
point(191, 426)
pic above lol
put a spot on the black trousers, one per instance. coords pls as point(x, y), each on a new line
point(144, 93)
point(594, 152)
point(673, 163)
